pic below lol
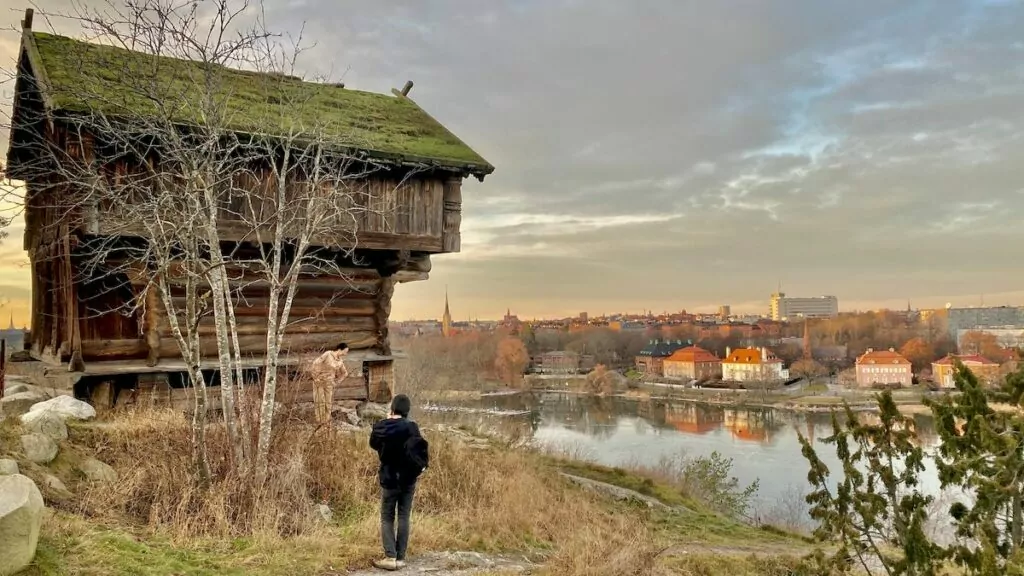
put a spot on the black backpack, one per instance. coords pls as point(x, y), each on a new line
point(417, 457)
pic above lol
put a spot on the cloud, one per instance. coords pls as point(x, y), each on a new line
point(667, 155)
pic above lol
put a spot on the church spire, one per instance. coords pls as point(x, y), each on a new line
point(11, 325)
point(446, 320)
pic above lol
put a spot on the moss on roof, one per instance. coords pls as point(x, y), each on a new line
point(85, 77)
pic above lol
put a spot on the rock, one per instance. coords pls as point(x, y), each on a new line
point(13, 389)
point(56, 486)
point(97, 471)
point(38, 448)
point(349, 415)
point(46, 422)
point(346, 428)
point(323, 511)
point(373, 411)
point(21, 515)
point(67, 408)
point(8, 467)
point(20, 403)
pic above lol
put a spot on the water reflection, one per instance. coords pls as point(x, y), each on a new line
point(763, 443)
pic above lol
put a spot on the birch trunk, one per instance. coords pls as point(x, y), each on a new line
point(244, 425)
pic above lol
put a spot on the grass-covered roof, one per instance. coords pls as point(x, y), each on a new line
point(93, 78)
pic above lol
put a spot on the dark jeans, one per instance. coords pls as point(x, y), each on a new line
point(392, 499)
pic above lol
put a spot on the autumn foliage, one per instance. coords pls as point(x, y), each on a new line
point(511, 360)
point(919, 352)
point(601, 380)
point(985, 344)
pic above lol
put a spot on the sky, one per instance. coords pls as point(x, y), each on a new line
point(672, 154)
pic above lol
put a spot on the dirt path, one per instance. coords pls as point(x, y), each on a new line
point(455, 564)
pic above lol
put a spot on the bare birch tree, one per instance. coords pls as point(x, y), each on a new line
point(198, 201)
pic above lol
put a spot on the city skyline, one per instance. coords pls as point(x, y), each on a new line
point(865, 150)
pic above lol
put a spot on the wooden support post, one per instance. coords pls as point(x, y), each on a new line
point(3, 365)
point(152, 324)
point(27, 22)
point(451, 239)
point(382, 311)
point(70, 295)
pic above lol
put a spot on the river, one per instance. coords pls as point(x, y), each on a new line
point(763, 443)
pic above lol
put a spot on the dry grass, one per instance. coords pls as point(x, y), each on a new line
point(486, 500)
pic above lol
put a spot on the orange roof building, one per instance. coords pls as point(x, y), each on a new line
point(984, 369)
point(692, 363)
point(752, 365)
point(887, 367)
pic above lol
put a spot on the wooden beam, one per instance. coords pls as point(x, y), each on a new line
point(26, 24)
point(116, 367)
point(383, 305)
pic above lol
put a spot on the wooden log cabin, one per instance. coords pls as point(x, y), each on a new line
point(85, 319)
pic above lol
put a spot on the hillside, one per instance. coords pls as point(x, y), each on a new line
point(484, 507)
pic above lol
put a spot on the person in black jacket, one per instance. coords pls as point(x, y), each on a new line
point(403, 456)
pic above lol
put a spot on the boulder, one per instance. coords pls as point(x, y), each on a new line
point(97, 471)
point(346, 428)
point(347, 415)
point(8, 467)
point(46, 422)
point(17, 388)
point(21, 515)
point(324, 513)
point(20, 403)
point(67, 408)
point(373, 412)
point(56, 487)
point(38, 448)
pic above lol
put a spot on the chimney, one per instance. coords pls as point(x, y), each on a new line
point(728, 351)
point(870, 350)
point(764, 354)
point(892, 349)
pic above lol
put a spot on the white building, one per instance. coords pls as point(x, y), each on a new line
point(786, 308)
point(752, 365)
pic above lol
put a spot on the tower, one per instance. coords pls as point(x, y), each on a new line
point(807, 340)
point(446, 320)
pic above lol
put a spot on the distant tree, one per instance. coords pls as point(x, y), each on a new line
point(511, 360)
point(601, 380)
point(529, 338)
point(807, 369)
point(919, 352)
point(789, 353)
point(985, 344)
point(601, 343)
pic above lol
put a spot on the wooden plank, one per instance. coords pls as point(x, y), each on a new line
point(138, 366)
point(110, 349)
point(291, 343)
point(111, 225)
point(451, 236)
point(257, 325)
point(182, 399)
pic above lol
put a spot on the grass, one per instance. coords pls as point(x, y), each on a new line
point(715, 564)
point(156, 520)
point(96, 78)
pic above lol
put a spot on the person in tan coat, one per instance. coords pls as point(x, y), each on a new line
point(327, 370)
